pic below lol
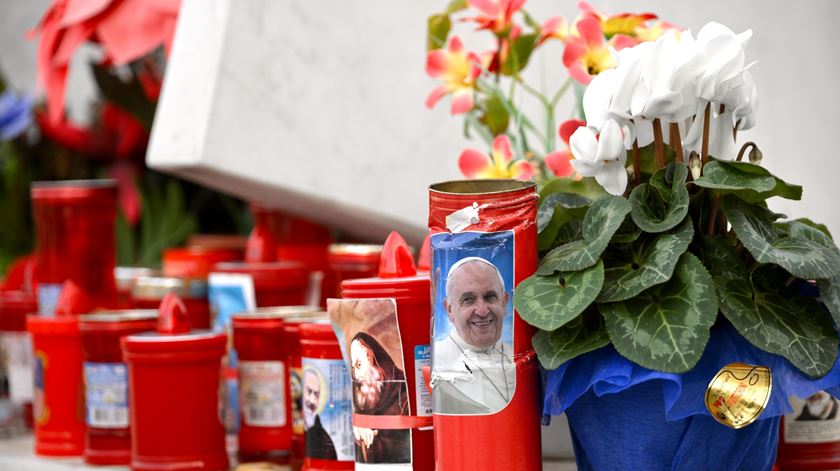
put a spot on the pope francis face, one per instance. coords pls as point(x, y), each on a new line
point(476, 301)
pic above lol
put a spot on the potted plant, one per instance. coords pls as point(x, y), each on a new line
point(660, 261)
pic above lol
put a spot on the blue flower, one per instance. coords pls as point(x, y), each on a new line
point(15, 114)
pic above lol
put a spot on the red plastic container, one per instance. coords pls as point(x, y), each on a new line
point(196, 262)
point(16, 347)
point(74, 229)
point(108, 438)
point(59, 404)
point(398, 280)
point(809, 438)
point(294, 374)
point(173, 378)
point(348, 262)
point(328, 429)
point(265, 432)
point(275, 283)
point(510, 438)
point(148, 292)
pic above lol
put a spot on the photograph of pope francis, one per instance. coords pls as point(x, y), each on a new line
point(472, 354)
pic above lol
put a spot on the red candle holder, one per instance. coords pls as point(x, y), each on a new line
point(108, 438)
point(74, 231)
point(148, 292)
point(174, 378)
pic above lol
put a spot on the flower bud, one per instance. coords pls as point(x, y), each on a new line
point(695, 166)
point(755, 155)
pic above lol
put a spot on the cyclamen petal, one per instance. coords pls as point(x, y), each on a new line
point(610, 143)
point(584, 144)
point(613, 177)
point(585, 167)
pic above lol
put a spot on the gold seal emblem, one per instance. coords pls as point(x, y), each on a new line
point(738, 394)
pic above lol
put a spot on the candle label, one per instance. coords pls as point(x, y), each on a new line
point(327, 419)
point(106, 395)
point(814, 420)
point(262, 393)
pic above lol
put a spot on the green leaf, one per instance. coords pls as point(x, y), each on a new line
point(456, 6)
point(770, 316)
point(519, 54)
point(652, 263)
point(548, 302)
point(830, 296)
point(127, 95)
point(750, 182)
point(549, 206)
point(164, 222)
point(600, 223)
point(795, 252)
point(647, 157)
point(815, 225)
point(583, 334)
point(495, 115)
point(586, 187)
point(437, 30)
point(666, 328)
point(627, 232)
point(659, 205)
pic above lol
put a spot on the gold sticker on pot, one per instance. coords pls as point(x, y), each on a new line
point(738, 394)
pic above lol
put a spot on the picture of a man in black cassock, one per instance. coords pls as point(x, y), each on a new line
point(820, 406)
point(319, 445)
point(379, 388)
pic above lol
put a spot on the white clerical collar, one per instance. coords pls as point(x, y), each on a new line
point(460, 342)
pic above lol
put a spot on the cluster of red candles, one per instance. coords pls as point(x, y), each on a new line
point(127, 370)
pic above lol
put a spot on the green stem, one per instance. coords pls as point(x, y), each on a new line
point(561, 91)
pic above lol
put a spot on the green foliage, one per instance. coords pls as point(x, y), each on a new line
point(437, 30)
point(602, 220)
point(650, 261)
point(126, 94)
point(583, 334)
point(768, 314)
point(640, 272)
point(519, 54)
point(666, 327)
point(495, 115)
point(793, 251)
point(662, 203)
point(751, 183)
point(164, 222)
point(549, 302)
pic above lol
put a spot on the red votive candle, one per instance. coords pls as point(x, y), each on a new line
point(16, 347)
point(108, 438)
point(351, 261)
point(275, 283)
point(326, 410)
point(265, 432)
point(403, 431)
point(58, 404)
point(173, 379)
point(74, 231)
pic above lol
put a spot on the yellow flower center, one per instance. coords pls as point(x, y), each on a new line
point(598, 60)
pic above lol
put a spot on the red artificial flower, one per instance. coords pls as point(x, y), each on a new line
point(126, 30)
point(476, 164)
point(587, 53)
point(559, 162)
point(622, 23)
point(458, 70)
point(495, 15)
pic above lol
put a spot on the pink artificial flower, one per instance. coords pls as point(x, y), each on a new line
point(622, 23)
point(476, 164)
point(554, 28)
point(587, 54)
point(496, 15)
point(559, 161)
point(126, 30)
point(652, 32)
point(458, 70)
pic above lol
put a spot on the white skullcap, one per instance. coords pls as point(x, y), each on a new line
point(467, 260)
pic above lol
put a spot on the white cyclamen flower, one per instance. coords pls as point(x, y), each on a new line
point(723, 57)
point(668, 72)
point(602, 157)
point(743, 102)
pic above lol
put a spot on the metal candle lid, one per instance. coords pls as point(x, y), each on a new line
point(156, 287)
point(738, 394)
